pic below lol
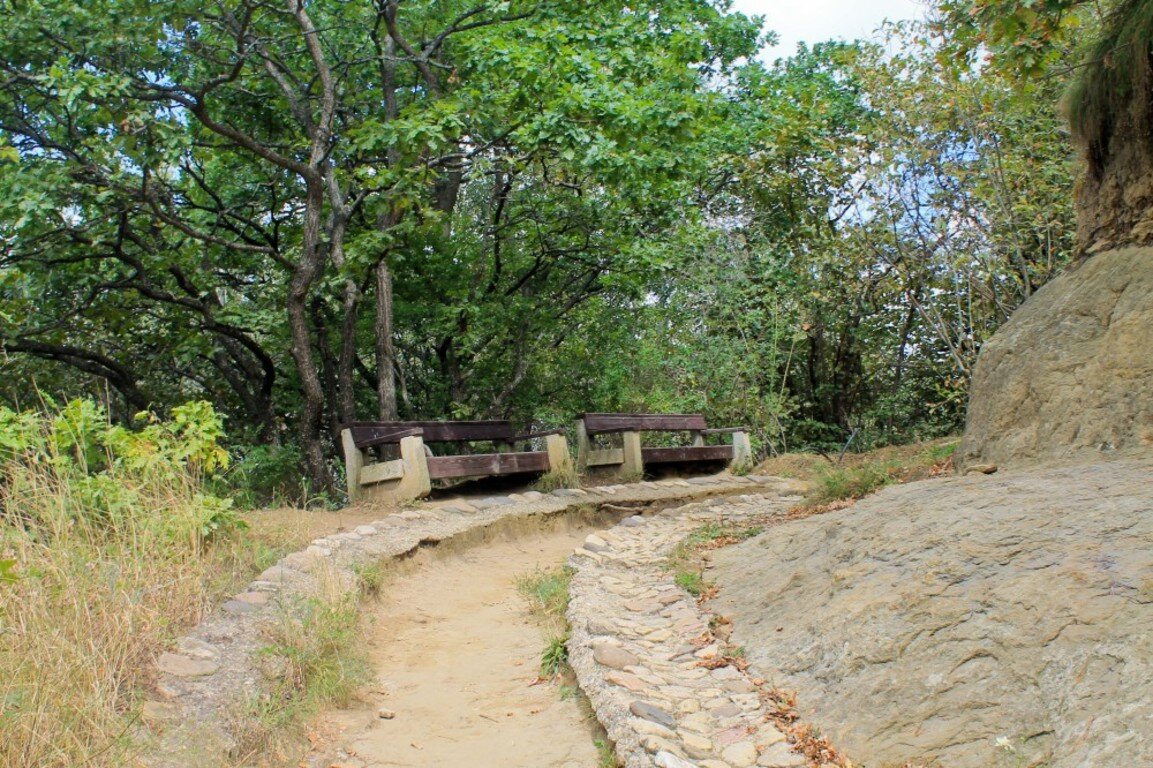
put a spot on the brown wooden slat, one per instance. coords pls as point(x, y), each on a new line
point(723, 430)
point(367, 437)
point(601, 423)
point(440, 467)
point(439, 431)
point(691, 453)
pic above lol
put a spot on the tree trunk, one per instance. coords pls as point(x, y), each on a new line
point(346, 366)
point(385, 351)
point(306, 273)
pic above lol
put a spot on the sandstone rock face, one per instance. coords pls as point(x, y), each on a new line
point(1115, 207)
point(1072, 371)
point(976, 621)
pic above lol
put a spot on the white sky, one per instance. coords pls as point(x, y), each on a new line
point(814, 21)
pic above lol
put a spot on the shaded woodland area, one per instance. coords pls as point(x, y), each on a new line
point(311, 213)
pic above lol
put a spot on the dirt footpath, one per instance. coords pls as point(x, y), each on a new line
point(456, 654)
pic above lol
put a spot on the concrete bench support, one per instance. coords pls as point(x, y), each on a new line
point(632, 461)
point(400, 480)
point(559, 458)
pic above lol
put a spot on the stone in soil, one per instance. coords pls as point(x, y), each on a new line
point(613, 656)
point(184, 666)
point(655, 714)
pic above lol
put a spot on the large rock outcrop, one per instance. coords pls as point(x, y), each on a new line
point(970, 622)
point(1071, 371)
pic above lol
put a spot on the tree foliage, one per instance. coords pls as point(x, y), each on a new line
point(312, 213)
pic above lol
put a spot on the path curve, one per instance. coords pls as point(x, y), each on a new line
point(195, 715)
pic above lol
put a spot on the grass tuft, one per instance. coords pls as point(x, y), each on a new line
point(840, 483)
point(687, 560)
point(563, 477)
point(547, 592)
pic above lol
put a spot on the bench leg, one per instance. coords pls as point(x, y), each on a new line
point(584, 445)
point(415, 484)
point(412, 483)
point(742, 452)
point(559, 459)
point(634, 465)
point(353, 463)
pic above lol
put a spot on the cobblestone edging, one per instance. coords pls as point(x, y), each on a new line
point(203, 685)
point(631, 648)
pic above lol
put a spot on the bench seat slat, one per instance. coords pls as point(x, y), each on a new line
point(690, 453)
point(370, 437)
point(440, 467)
point(440, 431)
point(604, 423)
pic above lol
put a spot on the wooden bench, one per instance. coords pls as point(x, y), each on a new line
point(632, 457)
point(411, 476)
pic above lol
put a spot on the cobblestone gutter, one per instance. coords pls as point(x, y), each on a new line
point(656, 692)
point(204, 686)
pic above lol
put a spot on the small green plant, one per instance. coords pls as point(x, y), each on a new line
point(630, 477)
point(547, 591)
point(316, 650)
point(554, 657)
point(940, 451)
point(606, 755)
point(370, 578)
point(686, 560)
point(691, 581)
point(741, 469)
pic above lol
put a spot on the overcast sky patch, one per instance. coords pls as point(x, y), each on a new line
point(814, 21)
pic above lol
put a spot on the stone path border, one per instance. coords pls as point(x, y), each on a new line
point(203, 686)
point(661, 697)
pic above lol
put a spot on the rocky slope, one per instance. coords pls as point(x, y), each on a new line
point(1071, 371)
point(975, 621)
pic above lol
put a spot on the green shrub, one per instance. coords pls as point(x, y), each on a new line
point(266, 475)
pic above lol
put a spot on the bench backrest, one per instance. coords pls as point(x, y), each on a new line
point(377, 432)
point(601, 423)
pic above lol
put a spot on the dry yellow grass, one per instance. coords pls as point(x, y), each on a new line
point(104, 560)
point(912, 457)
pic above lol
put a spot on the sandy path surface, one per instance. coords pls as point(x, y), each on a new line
point(456, 653)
